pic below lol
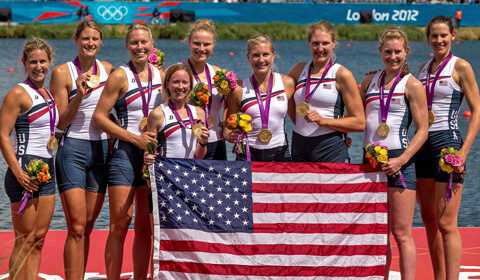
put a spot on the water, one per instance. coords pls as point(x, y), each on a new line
point(359, 57)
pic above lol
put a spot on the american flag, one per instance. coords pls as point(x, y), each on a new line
point(240, 220)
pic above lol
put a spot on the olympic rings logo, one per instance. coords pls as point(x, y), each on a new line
point(112, 12)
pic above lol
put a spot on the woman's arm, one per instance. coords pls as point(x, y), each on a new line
point(16, 102)
point(154, 122)
point(201, 148)
point(234, 100)
point(294, 73)
point(115, 88)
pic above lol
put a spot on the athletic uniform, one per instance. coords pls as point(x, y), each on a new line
point(126, 160)
point(277, 149)
point(398, 120)
point(311, 142)
point(216, 148)
point(443, 132)
point(32, 130)
point(81, 156)
point(175, 140)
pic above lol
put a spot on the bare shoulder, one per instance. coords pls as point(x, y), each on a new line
point(215, 68)
point(108, 66)
point(344, 73)
point(17, 95)
point(462, 66)
point(287, 80)
point(296, 70)
point(61, 71)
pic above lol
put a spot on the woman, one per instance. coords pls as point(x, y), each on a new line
point(393, 97)
point(264, 97)
point(80, 161)
point(323, 90)
point(30, 110)
point(447, 79)
point(133, 90)
point(201, 40)
point(174, 120)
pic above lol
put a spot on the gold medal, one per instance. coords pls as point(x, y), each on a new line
point(302, 108)
point(265, 135)
point(93, 82)
point(197, 130)
point(211, 121)
point(383, 129)
point(431, 117)
point(52, 143)
point(143, 124)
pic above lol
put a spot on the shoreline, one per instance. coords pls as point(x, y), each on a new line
point(231, 31)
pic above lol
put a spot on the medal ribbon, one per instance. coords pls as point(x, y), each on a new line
point(385, 107)
point(145, 102)
point(79, 70)
point(177, 116)
point(209, 81)
point(430, 89)
point(308, 93)
point(51, 111)
point(264, 111)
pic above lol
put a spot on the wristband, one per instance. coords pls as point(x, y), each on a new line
point(201, 144)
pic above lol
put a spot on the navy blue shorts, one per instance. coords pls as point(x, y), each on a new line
point(427, 158)
point(279, 154)
point(408, 172)
point(324, 148)
point(216, 150)
point(82, 164)
point(125, 165)
point(15, 190)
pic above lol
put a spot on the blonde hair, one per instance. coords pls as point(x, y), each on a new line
point(88, 23)
point(168, 74)
point(395, 34)
point(201, 24)
point(137, 26)
point(323, 26)
point(257, 40)
point(37, 44)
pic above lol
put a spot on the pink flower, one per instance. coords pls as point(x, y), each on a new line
point(153, 58)
point(384, 147)
point(231, 77)
point(449, 158)
point(153, 50)
point(375, 144)
point(457, 160)
point(232, 84)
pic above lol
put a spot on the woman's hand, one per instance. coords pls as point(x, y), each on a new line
point(313, 116)
point(81, 83)
point(392, 166)
point(149, 159)
point(144, 138)
point(233, 135)
point(204, 135)
point(24, 179)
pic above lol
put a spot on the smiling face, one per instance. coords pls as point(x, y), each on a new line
point(89, 41)
point(394, 54)
point(321, 46)
point(261, 58)
point(139, 43)
point(179, 86)
point(440, 39)
point(37, 64)
point(201, 45)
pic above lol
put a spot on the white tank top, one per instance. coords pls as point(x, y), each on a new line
point(32, 128)
point(325, 100)
point(215, 109)
point(82, 126)
point(398, 119)
point(447, 97)
point(276, 120)
point(175, 140)
point(130, 107)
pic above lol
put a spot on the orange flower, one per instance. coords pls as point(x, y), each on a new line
point(232, 120)
point(368, 155)
point(40, 176)
point(205, 88)
point(44, 169)
point(215, 78)
point(144, 169)
point(45, 178)
point(204, 98)
point(443, 150)
point(373, 162)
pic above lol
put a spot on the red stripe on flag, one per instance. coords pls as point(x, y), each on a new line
point(271, 249)
point(316, 188)
point(319, 207)
point(308, 167)
point(323, 228)
point(282, 271)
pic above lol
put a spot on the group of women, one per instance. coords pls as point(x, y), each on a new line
point(314, 94)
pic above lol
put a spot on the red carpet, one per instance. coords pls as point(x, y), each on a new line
point(52, 263)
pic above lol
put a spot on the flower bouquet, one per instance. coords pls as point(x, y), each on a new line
point(225, 81)
point(376, 154)
point(449, 159)
point(200, 94)
point(156, 57)
point(242, 122)
point(37, 169)
point(151, 149)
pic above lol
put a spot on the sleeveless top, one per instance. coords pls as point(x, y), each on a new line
point(326, 100)
point(215, 109)
point(447, 97)
point(129, 108)
point(399, 116)
point(82, 126)
point(175, 140)
point(32, 128)
point(278, 110)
